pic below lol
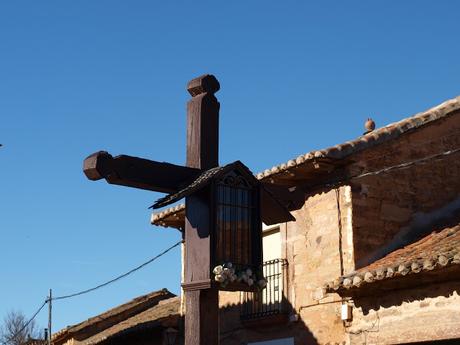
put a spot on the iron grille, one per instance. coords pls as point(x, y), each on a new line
point(271, 300)
point(235, 220)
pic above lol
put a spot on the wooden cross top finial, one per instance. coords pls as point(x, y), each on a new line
point(206, 83)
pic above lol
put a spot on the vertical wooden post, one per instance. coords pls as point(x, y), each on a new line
point(182, 275)
point(202, 317)
point(203, 123)
point(201, 299)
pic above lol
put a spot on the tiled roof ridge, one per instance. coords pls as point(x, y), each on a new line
point(135, 302)
point(440, 257)
point(375, 137)
point(156, 217)
point(343, 150)
point(166, 308)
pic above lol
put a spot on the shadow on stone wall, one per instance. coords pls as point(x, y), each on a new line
point(236, 330)
point(426, 293)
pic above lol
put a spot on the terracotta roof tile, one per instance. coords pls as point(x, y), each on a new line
point(151, 317)
point(114, 315)
point(370, 139)
point(435, 251)
point(338, 152)
point(173, 216)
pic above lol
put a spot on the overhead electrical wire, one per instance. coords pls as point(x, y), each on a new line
point(384, 170)
point(371, 173)
point(94, 288)
point(418, 144)
point(119, 277)
point(407, 164)
point(438, 156)
point(28, 322)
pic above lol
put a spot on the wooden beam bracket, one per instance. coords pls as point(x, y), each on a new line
point(137, 172)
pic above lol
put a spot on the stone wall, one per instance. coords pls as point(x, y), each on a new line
point(338, 230)
point(403, 199)
point(318, 247)
point(320, 250)
point(404, 316)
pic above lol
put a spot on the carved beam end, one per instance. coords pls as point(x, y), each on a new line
point(96, 165)
point(206, 83)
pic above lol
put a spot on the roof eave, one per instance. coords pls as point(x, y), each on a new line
point(315, 165)
point(397, 281)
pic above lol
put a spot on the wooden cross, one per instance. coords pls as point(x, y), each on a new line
point(201, 319)
point(200, 290)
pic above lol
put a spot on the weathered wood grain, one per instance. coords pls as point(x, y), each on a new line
point(137, 172)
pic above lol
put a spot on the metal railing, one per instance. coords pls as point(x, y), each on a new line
point(271, 300)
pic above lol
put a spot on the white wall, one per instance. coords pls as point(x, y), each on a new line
point(271, 242)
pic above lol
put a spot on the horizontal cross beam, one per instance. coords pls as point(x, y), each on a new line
point(137, 172)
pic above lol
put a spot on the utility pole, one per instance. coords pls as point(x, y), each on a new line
point(49, 316)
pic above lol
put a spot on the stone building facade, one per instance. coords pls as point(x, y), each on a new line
point(374, 254)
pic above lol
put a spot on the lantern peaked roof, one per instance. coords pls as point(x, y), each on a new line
point(202, 180)
point(272, 211)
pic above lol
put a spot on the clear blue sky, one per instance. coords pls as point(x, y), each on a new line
point(80, 76)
